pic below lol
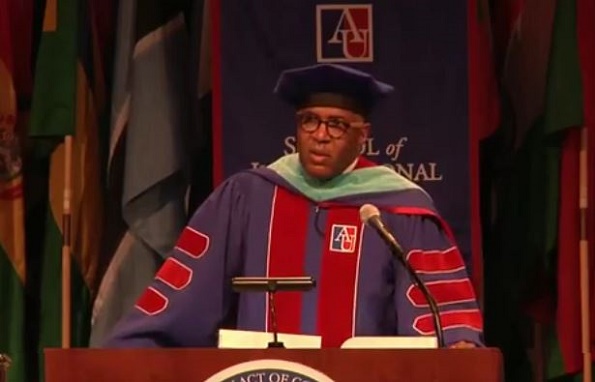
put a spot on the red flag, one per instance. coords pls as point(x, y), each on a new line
point(506, 18)
point(21, 25)
point(484, 101)
point(484, 114)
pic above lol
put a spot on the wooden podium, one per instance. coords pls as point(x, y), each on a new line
point(270, 365)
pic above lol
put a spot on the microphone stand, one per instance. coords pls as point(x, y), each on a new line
point(271, 285)
point(397, 251)
point(427, 295)
point(271, 296)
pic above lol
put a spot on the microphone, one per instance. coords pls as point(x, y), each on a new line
point(370, 215)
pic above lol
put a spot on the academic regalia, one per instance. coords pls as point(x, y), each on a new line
point(278, 221)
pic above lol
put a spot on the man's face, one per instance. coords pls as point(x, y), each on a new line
point(329, 139)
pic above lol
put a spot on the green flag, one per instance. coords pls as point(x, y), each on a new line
point(67, 99)
point(53, 104)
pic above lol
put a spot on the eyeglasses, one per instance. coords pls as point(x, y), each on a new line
point(335, 127)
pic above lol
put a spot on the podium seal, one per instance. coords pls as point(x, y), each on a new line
point(269, 370)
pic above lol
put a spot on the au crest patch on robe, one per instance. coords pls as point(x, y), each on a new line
point(343, 238)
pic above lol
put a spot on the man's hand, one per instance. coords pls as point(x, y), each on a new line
point(462, 345)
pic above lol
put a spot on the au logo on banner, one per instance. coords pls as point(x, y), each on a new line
point(344, 33)
point(269, 371)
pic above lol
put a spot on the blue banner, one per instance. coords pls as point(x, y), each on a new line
point(419, 47)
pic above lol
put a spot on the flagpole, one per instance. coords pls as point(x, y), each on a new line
point(584, 258)
point(66, 258)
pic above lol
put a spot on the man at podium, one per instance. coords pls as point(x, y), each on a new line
point(300, 216)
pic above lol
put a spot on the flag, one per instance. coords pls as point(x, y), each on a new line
point(200, 139)
point(21, 25)
point(484, 117)
point(147, 174)
point(67, 98)
point(563, 112)
point(568, 358)
point(12, 228)
point(526, 60)
point(585, 17)
point(529, 191)
point(484, 96)
point(505, 22)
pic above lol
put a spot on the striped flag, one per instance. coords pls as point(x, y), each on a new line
point(12, 238)
point(147, 174)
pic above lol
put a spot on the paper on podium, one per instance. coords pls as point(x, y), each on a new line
point(244, 339)
point(425, 342)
